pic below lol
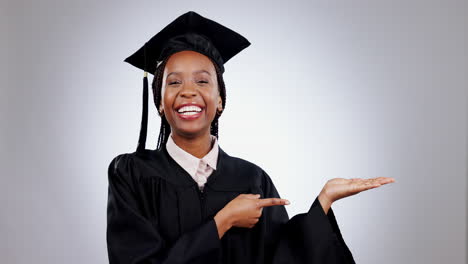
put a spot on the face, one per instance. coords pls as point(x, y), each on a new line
point(190, 94)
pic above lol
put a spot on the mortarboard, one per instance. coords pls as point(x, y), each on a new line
point(189, 31)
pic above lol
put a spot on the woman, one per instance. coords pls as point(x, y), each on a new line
point(190, 202)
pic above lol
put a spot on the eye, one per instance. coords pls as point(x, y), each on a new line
point(202, 81)
point(174, 82)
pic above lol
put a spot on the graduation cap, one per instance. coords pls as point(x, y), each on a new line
point(189, 31)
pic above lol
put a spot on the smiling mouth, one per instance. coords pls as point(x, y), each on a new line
point(189, 112)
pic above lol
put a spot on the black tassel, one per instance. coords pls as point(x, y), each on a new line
point(144, 117)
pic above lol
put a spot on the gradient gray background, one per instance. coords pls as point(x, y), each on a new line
point(327, 89)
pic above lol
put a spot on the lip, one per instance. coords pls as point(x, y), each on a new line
point(189, 104)
point(191, 117)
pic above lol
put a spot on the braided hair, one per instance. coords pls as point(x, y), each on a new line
point(165, 128)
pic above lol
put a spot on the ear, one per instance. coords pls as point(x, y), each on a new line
point(161, 109)
point(220, 103)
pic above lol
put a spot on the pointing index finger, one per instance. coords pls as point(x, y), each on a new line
point(272, 202)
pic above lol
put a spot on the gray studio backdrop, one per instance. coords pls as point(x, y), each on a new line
point(327, 89)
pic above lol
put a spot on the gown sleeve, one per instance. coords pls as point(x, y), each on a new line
point(312, 237)
point(132, 238)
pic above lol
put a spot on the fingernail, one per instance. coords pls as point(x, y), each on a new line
point(287, 202)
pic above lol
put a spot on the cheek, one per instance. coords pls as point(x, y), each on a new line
point(167, 97)
point(162, 101)
point(211, 100)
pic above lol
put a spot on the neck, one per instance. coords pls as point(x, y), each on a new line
point(198, 146)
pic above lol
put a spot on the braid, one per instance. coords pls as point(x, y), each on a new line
point(165, 128)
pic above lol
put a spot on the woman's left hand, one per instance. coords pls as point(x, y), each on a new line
point(338, 188)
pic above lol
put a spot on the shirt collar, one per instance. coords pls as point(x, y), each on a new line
point(189, 162)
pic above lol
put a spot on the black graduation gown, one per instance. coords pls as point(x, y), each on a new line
point(157, 214)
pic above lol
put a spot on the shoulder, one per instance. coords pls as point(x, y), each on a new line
point(124, 161)
point(120, 166)
point(245, 169)
point(134, 164)
point(239, 164)
point(119, 162)
point(243, 164)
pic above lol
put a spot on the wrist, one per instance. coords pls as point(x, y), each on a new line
point(226, 218)
point(325, 202)
point(325, 196)
point(223, 222)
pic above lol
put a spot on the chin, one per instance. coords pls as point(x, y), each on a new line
point(191, 131)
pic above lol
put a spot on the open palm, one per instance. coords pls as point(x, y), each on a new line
point(338, 188)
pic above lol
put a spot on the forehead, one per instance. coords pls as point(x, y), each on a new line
point(188, 60)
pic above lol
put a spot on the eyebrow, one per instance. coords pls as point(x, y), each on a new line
point(199, 71)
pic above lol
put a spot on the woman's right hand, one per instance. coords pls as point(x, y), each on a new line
point(244, 211)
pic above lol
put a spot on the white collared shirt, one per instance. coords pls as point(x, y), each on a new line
point(199, 169)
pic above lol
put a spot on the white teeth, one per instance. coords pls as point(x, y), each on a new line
point(190, 108)
point(189, 113)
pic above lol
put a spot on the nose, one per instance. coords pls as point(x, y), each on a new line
point(188, 90)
